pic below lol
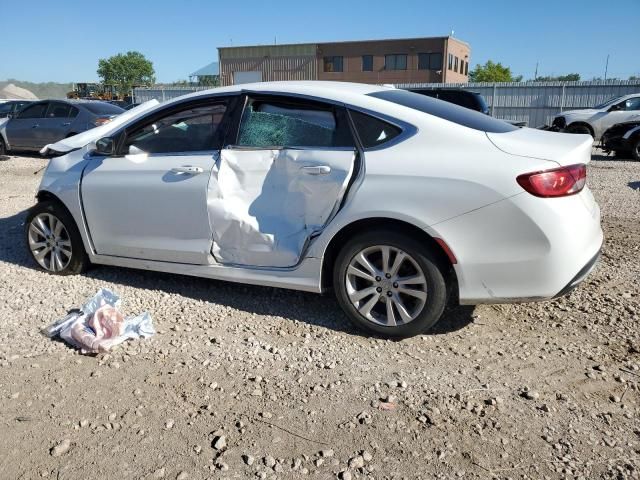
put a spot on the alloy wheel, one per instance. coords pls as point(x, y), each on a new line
point(49, 242)
point(386, 285)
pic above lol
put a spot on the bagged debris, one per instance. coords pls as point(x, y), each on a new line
point(98, 325)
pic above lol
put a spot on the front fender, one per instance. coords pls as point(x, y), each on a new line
point(62, 179)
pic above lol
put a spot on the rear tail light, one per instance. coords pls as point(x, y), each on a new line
point(559, 182)
point(102, 121)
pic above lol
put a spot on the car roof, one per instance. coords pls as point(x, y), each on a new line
point(336, 91)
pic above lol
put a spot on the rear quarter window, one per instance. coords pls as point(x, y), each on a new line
point(446, 111)
point(372, 131)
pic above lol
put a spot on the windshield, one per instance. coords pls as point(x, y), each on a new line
point(447, 111)
point(609, 102)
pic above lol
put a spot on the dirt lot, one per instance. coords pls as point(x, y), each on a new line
point(247, 382)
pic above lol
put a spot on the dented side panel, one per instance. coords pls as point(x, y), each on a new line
point(264, 205)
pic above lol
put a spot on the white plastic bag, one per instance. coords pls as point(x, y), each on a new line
point(98, 325)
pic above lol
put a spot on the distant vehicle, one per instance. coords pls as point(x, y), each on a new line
point(393, 199)
point(11, 107)
point(595, 121)
point(93, 91)
point(623, 139)
point(49, 121)
point(464, 98)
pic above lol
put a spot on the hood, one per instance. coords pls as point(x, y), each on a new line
point(562, 148)
point(584, 111)
point(82, 139)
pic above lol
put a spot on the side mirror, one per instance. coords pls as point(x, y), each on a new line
point(615, 108)
point(105, 146)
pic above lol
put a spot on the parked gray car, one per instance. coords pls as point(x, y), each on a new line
point(50, 121)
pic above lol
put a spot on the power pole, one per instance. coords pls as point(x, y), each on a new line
point(606, 68)
point(535, 76)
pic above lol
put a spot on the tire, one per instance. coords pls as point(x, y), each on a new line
point(3, 147)
point(635, 149)
point(66, 241)
point(579, 128)
point(622, 154)
point(387, 310)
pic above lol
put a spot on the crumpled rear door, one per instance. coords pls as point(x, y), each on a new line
point(264, 205)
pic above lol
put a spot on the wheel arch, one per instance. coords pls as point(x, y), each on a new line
point(46, 195)
point(353, 228)
point(584, 124)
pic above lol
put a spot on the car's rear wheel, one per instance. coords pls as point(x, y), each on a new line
point(635, 149)
point(54, 240)
point(390, 284)
point(579, 128)
point(3, 147)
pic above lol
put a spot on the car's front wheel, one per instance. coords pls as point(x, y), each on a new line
point(390, 284)
point(54, 240)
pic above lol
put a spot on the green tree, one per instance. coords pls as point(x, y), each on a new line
point(570, 77)
point(492, 72)
point(126, 70)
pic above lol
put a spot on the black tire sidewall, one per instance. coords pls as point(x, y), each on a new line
point(79, 259)
point(635, 146)
point(433, 269)
point(3, 147)
point(580, 129)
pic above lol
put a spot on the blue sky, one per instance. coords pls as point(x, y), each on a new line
point(64, 39)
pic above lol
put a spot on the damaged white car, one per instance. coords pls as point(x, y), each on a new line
point(396, 201)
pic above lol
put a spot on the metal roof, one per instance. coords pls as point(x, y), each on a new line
point(211, 69)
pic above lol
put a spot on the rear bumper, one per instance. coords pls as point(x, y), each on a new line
point(524, 248)
point(580, 276)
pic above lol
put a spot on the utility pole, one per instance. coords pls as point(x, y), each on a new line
point(535, 76)
point(606, 68)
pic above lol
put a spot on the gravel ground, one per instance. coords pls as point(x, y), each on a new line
point(258, 382)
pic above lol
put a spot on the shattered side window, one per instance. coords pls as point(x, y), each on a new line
point(271, 124)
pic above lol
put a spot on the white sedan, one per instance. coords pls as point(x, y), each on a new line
point(398, 202)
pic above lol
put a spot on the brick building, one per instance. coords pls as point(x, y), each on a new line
point(411, 60)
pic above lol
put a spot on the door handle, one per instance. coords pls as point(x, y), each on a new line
point(318, 170)
point(188, 169)
point(66, 124)
point(35, 126)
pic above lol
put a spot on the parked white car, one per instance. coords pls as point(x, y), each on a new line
point(397, 201)
point(595, 121)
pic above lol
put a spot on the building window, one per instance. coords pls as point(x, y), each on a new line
point(367, 63)
point(461, 66)
point(451, 61)
point(455, 65)
point(333, 64)
point(395, 62)
point(466, 68)
point(430, 61)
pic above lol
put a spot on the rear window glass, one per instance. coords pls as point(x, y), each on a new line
point(102, 108)
point(373, 131)
point(447, 111)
